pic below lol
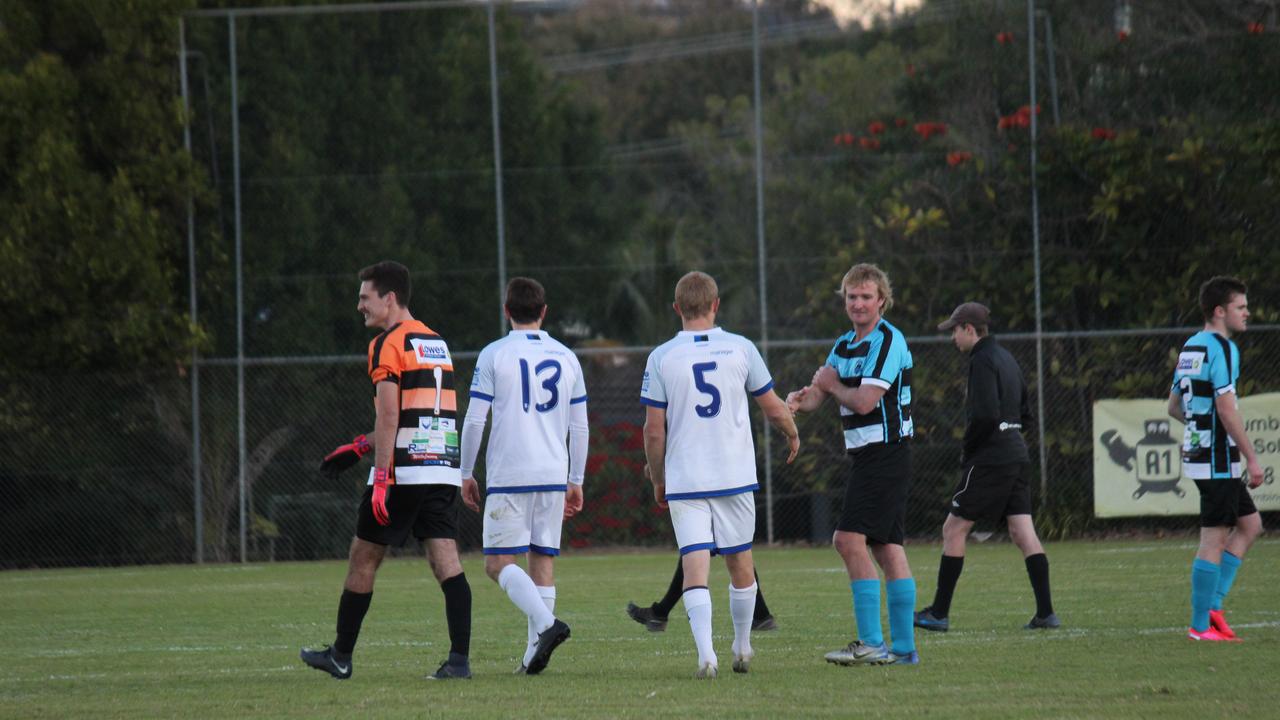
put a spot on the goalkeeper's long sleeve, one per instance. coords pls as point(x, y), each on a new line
point(473, 433)
point(578, 439)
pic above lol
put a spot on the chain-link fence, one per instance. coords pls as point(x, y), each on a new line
point(606, 148)
point(130, 499)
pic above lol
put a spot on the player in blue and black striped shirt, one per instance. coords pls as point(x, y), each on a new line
point(869, 373)
point(1204, 397)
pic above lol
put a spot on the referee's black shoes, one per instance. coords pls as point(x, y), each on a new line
point(926, 620)
point(1048, 622)
point(328, 661)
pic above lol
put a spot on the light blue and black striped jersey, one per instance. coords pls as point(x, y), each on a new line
point(881, 359)
point(1208, 366)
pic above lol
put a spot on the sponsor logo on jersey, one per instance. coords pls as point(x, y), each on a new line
point(1190, 362)
point(430, 352)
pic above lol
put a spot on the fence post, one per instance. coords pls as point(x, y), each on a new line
point(1035, 239)
point(197, 491)
point(497, 169)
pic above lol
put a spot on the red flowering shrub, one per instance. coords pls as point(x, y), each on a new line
point(876, 127)
point(618, 507)
point(928, 129)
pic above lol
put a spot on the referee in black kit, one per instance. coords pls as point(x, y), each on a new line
point(995, 467)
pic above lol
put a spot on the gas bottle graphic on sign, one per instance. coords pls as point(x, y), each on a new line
point(1159, 460)
point(1156, 461)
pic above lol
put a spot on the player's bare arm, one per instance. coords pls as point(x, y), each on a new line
point(386, 417)
point(806, 399)
point(1175, 407)
point(779, 416)
point(655, 451)
point(1234, 424)
point(861, 399)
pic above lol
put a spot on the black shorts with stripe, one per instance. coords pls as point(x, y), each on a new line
point(991, 492)
point(875, 493)
point(1224, 501)
point(428, 511)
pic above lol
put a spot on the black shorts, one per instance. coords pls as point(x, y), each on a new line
point(991, 492)
point(430, 511)
point(875, 494)
point(1224, 501)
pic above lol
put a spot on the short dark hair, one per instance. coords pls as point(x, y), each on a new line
point(389, 276)
point(525, 299)
point(1217, 292)
point(981, 330)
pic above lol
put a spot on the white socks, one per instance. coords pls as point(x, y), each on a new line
point(548, 594)
point(697, 603)
point(520, 588)
point(742, 606)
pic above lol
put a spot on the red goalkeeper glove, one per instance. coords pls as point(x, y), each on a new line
point(344, 456)
point(381, 486)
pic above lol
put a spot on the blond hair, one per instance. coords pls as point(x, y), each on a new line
point(695, 294)
point(866, 272)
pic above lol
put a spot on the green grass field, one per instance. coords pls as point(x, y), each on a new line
point(222, 641)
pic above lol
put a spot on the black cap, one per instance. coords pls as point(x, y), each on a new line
point(970, 313)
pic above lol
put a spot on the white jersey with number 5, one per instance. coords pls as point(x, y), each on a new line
point(702, 379)
point(531, 380)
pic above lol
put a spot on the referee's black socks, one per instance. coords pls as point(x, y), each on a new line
point(1038, 571)
point(948, 575)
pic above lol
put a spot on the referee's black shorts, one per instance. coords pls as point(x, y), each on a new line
point(991, 492)
point(1224, 501)
point(875, 493)
point(429, 511)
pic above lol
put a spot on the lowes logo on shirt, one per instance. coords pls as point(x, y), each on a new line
point(429, 352)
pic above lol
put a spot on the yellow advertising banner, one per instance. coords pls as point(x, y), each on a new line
point(1137, 458)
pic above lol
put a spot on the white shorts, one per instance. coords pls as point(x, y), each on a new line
point(515, 523)
point(724, 524)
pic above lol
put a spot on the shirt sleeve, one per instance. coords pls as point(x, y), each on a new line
point(386, 366)
point(482, 385)
point(579, 438)
point(887, 357)
point(759, 381)
point(473, 434)
point(1219, 369)
point(833, 357)
point(652, 391)
point(579, 392)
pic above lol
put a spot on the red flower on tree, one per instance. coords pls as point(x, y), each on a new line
point(869, 143)
point(875, 128)
point(928, 129)
point(1004, 38)
point(1255, 28)
point(959, 157)
point(1101, 133)
point(1122, 35)
point(900, 122)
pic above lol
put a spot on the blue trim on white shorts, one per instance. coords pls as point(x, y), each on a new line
point(767, 387)
point(505, 489)
point(544, 550)
point(735, 549)
point(520, 550)
point(653, 403)
point(713, 493)
point(477, 395)
point(577, 400)
point(694, 548)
